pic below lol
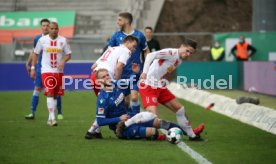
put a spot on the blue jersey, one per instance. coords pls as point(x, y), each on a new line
point(38, 65)
point(110, 106)
point(117, 39)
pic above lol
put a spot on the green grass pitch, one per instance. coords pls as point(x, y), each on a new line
point(32, 141)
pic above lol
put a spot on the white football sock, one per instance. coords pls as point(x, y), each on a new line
point(51, 107)
point(183, 122)
point(140, 118)
point(95, 127)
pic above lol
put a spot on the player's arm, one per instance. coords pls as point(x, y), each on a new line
point(29, 62)
point(252, 49)
point(162, 54)
point(67, 57)
point(34, 61)
point(101, 114)
point(121, 63)
point(119, 70)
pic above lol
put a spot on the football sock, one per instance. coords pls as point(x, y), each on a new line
point(51, 104)
point(59, 105)
point(35, 100)
point(140, 118)
point(94, 127)
point(135, 107)
point(184, 123)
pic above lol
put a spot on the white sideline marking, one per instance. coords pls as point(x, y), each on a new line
point(195, 155)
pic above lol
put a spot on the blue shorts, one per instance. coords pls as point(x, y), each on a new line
point(137, 131)
point(37, 80)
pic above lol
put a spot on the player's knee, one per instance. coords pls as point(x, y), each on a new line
point(134, 98)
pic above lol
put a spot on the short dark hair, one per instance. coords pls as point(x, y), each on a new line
point(148, 27)
point(44, 20)
point(131, 38)
point(190, 42)
point(127, 16)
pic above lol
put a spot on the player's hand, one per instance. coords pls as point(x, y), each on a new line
point(135, 68)
point(32, 73)
point(28, 68)
point(61, 65)
point(143, 76)
point(124, 117)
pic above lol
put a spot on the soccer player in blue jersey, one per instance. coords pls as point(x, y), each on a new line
point(44, 23)
point(111, 111)
point(124, 22)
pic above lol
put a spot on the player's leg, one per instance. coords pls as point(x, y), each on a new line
point(182, 119)
point(141, 117)
point(94, 131)
point(137, 131)
point(135, 104)
point(169, 100)
point(35, 97)
point(50, 83)
point(59, 111)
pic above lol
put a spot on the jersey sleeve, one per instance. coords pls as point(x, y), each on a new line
point(123, 57)
point(162, 54)
point(66, 48)
point(102, 107)
point(38, 47)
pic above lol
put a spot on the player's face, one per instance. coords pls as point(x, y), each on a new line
point(186, 51)
point(121, 22)
point(131, 46)
point(45, 27)
point(53, 30)
point(148, 33)
point(104, 78)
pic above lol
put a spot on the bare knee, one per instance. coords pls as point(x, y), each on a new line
point(151, 133)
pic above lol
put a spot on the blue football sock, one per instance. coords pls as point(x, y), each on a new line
point(135, 107)
point(35, 100)
point(59, 105)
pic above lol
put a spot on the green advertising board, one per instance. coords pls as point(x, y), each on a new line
point(264, 42)
point(31, 20)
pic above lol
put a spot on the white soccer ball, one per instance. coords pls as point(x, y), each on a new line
point(174, 135)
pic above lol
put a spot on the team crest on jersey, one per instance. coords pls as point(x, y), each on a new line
point(100, 110)
point(170, 68)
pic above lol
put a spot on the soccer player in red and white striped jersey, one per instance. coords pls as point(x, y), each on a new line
point(157, 65)
point(55, 53)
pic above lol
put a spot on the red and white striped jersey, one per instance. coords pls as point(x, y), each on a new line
point(52, 53)
point(159, 64)
point(111, 57)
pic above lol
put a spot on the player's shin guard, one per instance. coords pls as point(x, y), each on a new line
point(140, 118)
point(51, 104)
point(184, 123)
point(59, 105)
point(35, 100)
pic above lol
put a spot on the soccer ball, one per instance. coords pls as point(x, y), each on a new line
point(174, 135)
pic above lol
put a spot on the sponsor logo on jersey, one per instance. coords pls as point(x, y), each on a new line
point(53, 50)
point(170, 68)
point(100, 110)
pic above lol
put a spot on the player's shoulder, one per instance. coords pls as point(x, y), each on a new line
point(60, 37)
point(37, 37)
point(138, 33)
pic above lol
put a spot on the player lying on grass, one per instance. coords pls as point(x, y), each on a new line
point(153, 88)
point(113, 59)
point(111, 110)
